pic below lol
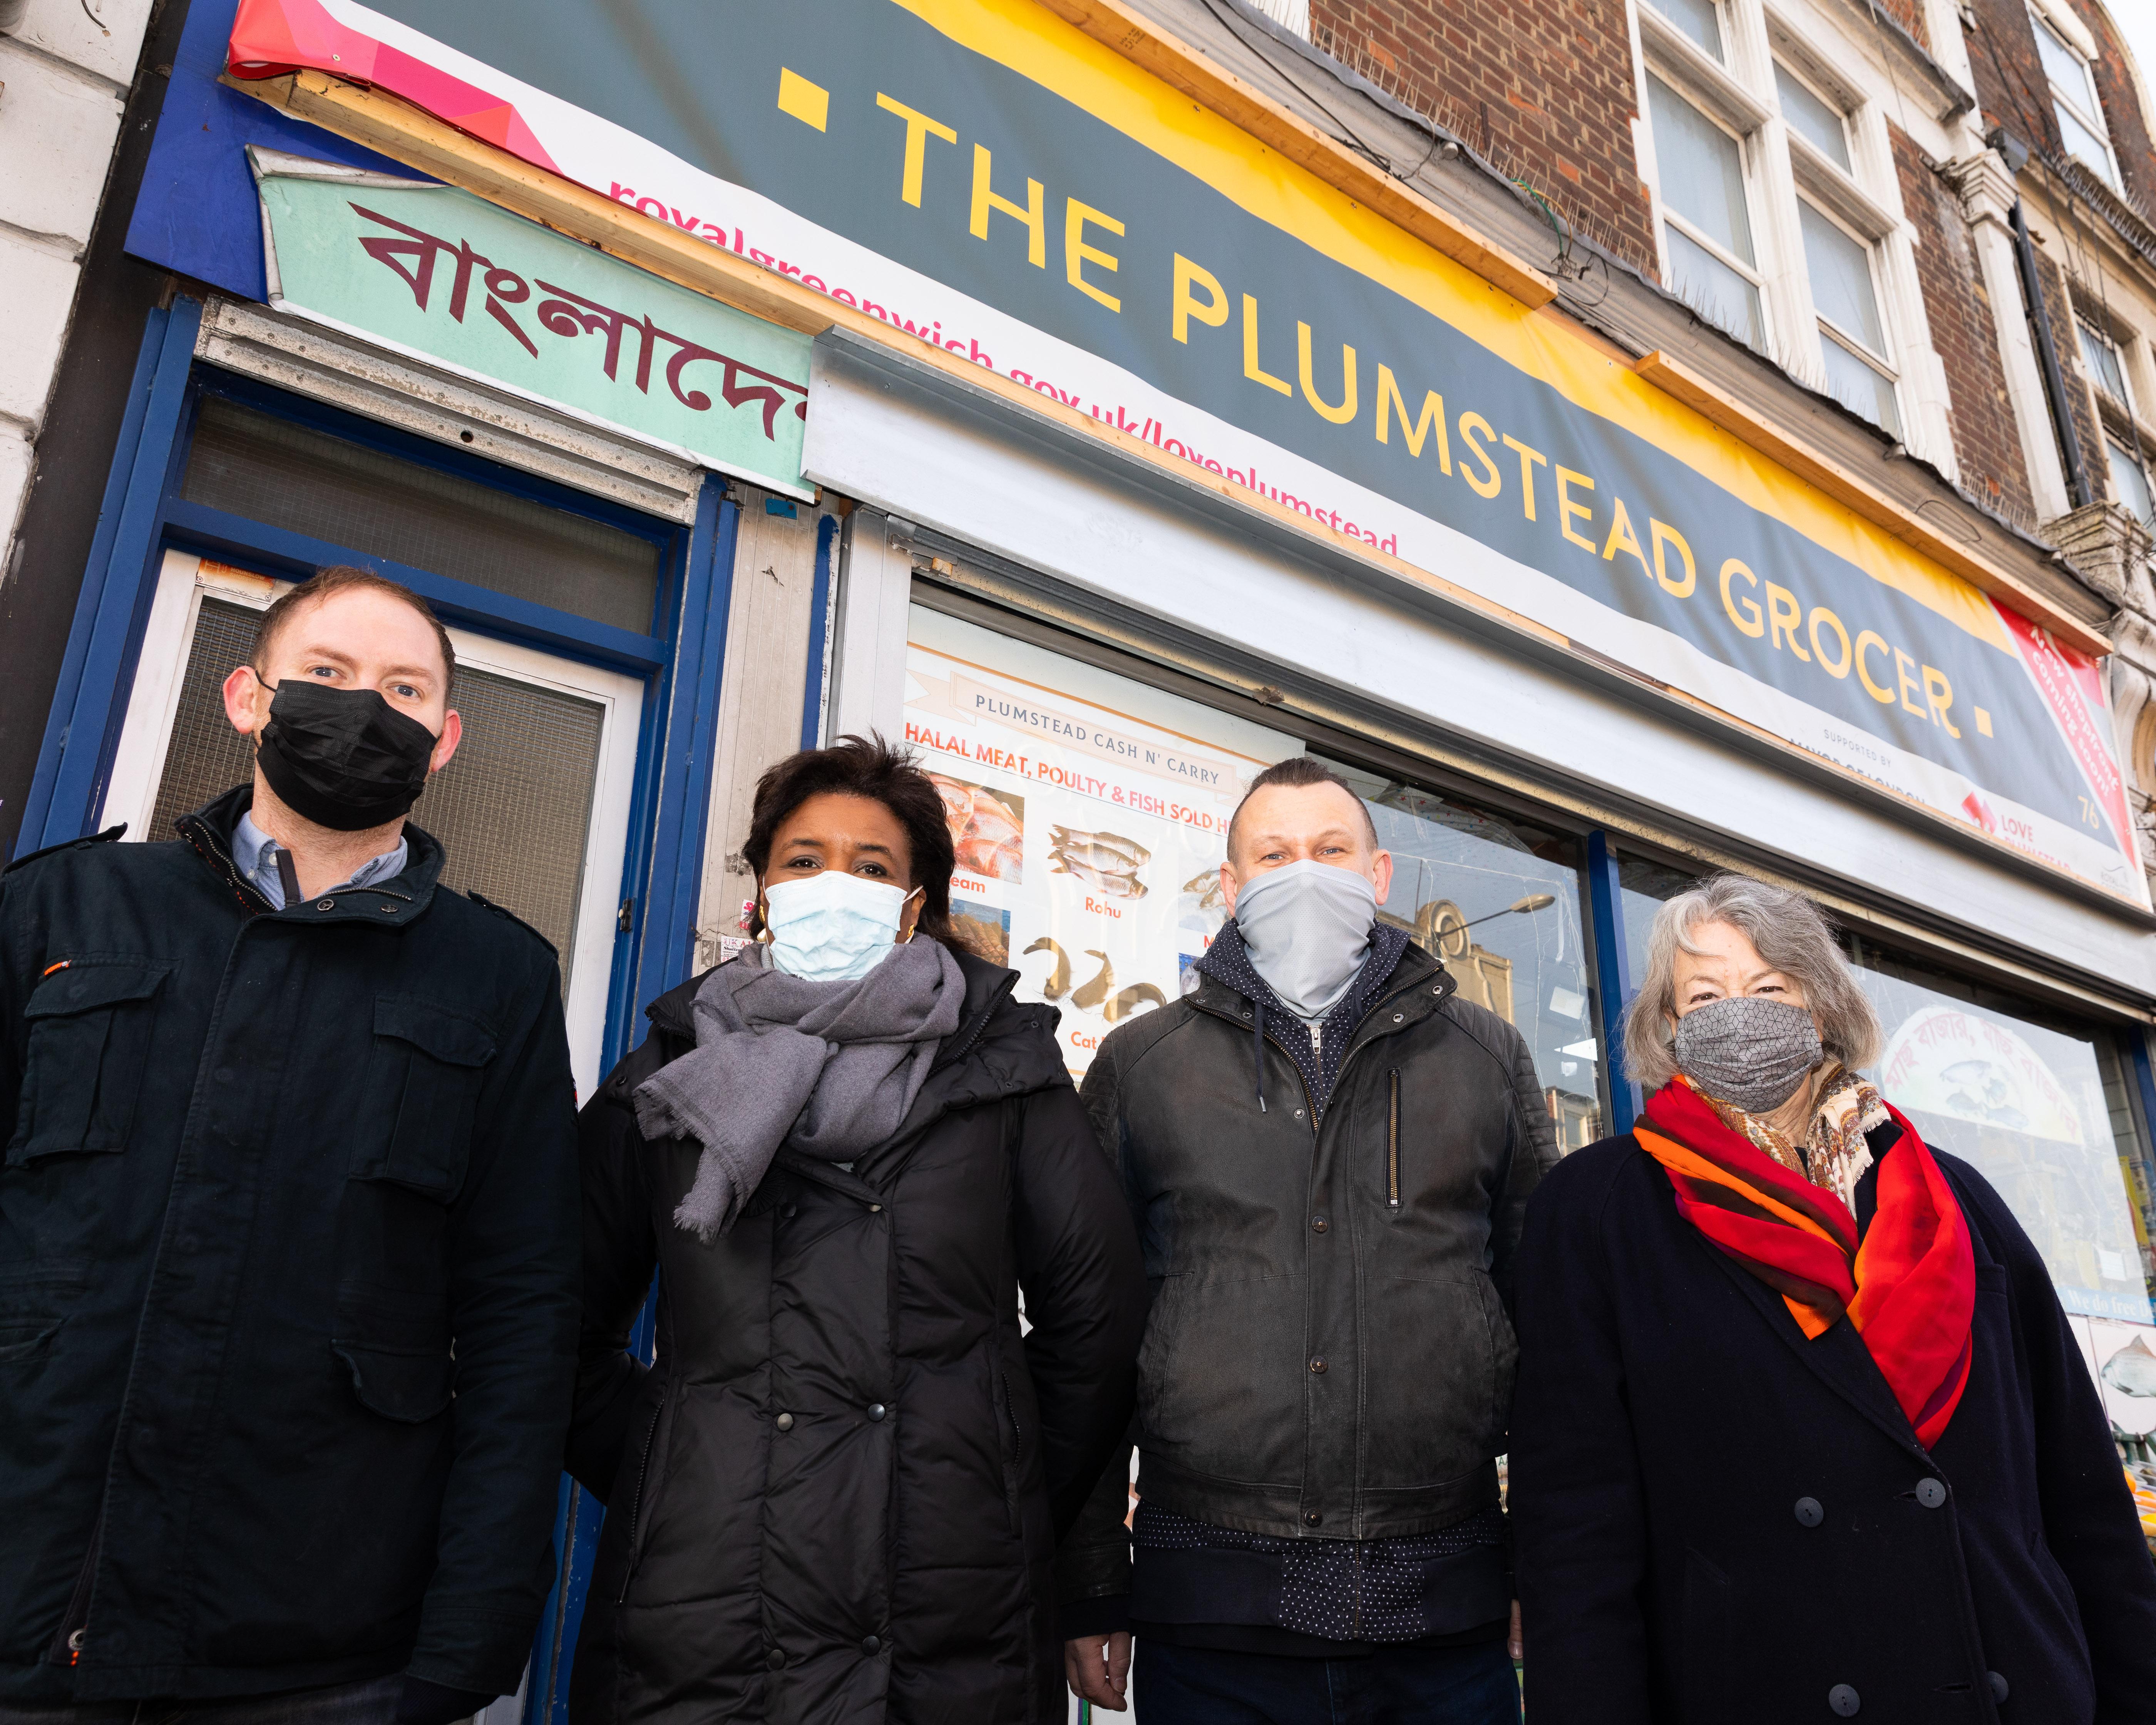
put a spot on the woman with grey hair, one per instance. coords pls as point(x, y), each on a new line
point(1800, 1428)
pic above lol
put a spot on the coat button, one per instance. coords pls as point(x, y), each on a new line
point(1399, 1017)
point(790, 1211)
point(869, 1644)
point(1311, 1518)
point(1318, 1224)
point(1931, 1493)
point(877, 1410)
point(784, 1422)
point(388, 910)
point(776, 1660)
point(1808, 1512)
point(1317, 1365)
point(1844, 1700)
point(1998, 1686)
point(326, 904)
point(875, 1210)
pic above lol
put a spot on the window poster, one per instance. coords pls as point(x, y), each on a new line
point(2037, 1112)
point(1090, 814)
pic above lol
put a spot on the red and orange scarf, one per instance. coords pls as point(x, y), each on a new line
point(1909, 1287)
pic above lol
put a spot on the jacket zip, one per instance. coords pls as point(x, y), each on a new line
point(1393, 1143)
point(1310, 1106)
point(636, 1503)
point(66, 1647)
point(980, 1027)
point(1018, 1436)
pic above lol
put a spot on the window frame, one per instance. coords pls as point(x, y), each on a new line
point(2098, 124)
point(1782, 170)
point(1714, 91)
point(1888, 365)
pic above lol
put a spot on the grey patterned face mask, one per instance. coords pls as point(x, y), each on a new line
point(1748, 1050)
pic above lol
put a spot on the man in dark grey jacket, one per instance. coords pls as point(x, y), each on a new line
point(1329, 1156)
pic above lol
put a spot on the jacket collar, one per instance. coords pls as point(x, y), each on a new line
point(1230, 981)
point(403, 898)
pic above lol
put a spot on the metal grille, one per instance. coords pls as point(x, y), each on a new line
point(206, 757)
point(513, 809)
point(306, 481)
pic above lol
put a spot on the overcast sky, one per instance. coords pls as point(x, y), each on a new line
point(2136, 18)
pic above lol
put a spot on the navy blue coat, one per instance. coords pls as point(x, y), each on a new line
point(1715, 1519)
point(288, 1277)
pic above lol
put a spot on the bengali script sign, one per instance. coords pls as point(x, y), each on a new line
point(435, 272)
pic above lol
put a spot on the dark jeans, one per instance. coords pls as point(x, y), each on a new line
point(1400, 1685)
point(373, 1702)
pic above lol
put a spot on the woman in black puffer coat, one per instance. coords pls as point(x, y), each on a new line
point(836, 1493)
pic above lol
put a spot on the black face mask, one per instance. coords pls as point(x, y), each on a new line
point(342, 759)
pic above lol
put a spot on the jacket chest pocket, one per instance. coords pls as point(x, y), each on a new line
point(423, 1081)
point(90, 1029)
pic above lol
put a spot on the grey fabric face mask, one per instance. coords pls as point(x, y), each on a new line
point(1306, 928)
point(1748, 1050)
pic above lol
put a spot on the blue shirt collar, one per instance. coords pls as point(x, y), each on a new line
point(254, 855)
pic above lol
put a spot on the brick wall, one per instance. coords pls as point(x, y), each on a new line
point(1964, 335)
point(1543, 87)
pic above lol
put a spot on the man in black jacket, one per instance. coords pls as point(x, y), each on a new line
point(1329, 1156)
point(288, 1229)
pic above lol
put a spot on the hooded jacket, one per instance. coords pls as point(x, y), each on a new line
point(288, 1264)
point(836, 1494)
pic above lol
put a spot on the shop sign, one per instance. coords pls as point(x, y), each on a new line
point(435, 272)
point(980, 175)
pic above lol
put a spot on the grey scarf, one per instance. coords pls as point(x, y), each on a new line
point(828, 1068)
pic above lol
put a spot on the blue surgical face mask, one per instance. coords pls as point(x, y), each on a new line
point(832, 927)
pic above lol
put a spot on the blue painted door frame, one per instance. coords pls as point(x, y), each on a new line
point(83, 729)
point(1613, 971)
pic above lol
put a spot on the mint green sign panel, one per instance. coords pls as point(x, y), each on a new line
point(437, 273)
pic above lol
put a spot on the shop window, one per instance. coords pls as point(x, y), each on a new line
point(1701, 20)
point(2074, 102)
point(1707, 222)
point(1090, 813)
point(1819, 122)
point(2038, 1106)
point(1496, 901)
point(1852, 336)
point(304, 480)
